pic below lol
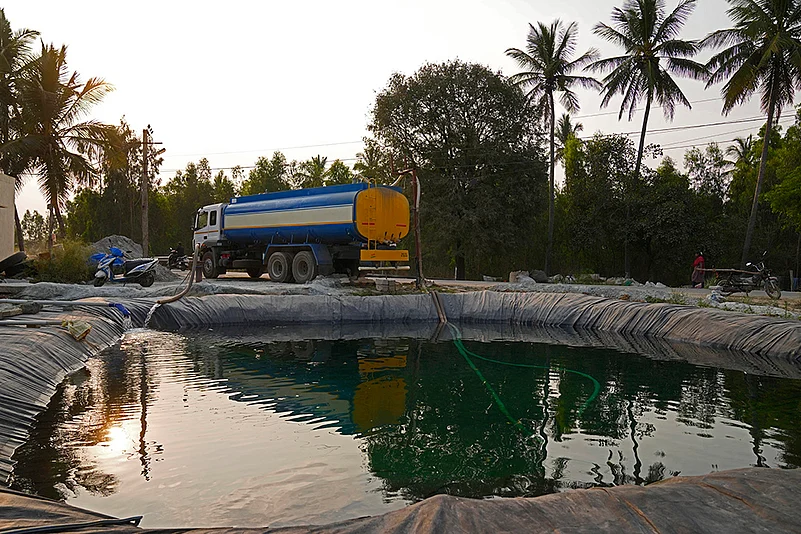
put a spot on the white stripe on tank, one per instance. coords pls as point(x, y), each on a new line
point(304, 217)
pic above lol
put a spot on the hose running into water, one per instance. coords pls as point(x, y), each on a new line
point(467, 354)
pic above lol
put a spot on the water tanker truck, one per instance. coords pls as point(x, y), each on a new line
point(296, 235)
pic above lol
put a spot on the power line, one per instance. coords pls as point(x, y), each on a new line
point(603, 114)
point(671, 145)
point(265, 149)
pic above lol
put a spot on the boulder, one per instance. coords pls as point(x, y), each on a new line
point(539, 276)
point(519, 277)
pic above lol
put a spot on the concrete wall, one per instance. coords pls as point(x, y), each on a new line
point(6, 216)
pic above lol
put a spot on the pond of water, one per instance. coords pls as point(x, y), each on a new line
point(211, 429)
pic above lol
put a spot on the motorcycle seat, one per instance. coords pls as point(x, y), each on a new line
point(131, 264)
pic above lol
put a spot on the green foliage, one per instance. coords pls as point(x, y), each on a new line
point(68, 264)
point(338, 174)
point(471, 135)
point(268, 176)
point(34, 227)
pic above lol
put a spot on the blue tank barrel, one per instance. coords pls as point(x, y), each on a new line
point(326, 215)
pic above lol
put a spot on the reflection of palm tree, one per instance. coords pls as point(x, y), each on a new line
point(59, 146)
point(762, 55)
point(549, 67)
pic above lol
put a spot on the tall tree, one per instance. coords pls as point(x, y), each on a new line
point(15, 61)
point(763, 54)
point(61, 149)
point(652, 56)
point(472, 136)
point(549, 68)
point(565, 129)
point(268, 176)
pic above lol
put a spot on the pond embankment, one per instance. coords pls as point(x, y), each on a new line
point(34, 361)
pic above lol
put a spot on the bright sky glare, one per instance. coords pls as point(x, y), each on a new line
point(236, 80)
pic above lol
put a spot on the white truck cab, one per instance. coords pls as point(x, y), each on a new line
point(207, 225)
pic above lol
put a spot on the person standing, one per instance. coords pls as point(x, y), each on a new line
point(698, 270)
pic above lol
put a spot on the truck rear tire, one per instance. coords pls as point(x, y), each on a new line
point(279, 267)
point(210, 270)
point(304, 267)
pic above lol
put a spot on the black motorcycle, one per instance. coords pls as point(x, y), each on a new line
point(756, 277)
point(177, 261)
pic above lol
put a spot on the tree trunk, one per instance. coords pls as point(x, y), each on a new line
point(18, 226)
point(637, 168)
point(760, 177)
point(460, 267)
point(549, 250)
point(62, 228)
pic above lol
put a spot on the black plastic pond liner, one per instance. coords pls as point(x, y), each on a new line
point(743, 500)
point(701, 326)
point(34, 361)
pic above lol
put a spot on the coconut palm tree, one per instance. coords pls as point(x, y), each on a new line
point(61, 150)
point(565, 129)
point(763, 55)
point(741, 151)
point(549, 68)
point(15, 61)
point(653, 55)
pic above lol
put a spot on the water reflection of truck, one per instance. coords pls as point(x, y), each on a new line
point(296, 235)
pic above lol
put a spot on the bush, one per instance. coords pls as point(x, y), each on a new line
point(68, 264)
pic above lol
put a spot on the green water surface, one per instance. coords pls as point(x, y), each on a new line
point(205, 429)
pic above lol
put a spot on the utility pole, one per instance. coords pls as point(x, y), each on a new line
point(145, 194)
point(146, 142)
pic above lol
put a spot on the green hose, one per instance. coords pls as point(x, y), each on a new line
point(466, 354)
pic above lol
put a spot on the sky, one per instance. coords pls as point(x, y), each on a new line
point(235, 80)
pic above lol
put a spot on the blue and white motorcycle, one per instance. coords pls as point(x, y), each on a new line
point(115, 267)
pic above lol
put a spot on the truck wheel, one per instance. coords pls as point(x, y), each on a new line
point(278, 267)
point(209, 267)
point(304, 268)
point(255, 272)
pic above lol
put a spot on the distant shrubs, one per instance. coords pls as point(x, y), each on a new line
point(68, 264)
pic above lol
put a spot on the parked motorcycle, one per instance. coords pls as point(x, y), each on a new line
point(177, 261)
point(756, 277)
point(115, 267)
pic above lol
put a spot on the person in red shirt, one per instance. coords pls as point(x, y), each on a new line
point(698, 270)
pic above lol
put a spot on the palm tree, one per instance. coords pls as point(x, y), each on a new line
point(653, 54)
point(15, 61)
point(549, 68)
point(565, 129)
point(741, 151)
point(371, 163)
point(312, 173)
point(59, 147)
point(763, 54)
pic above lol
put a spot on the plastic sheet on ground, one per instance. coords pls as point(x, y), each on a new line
point(700, 326)
point(744, 500)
